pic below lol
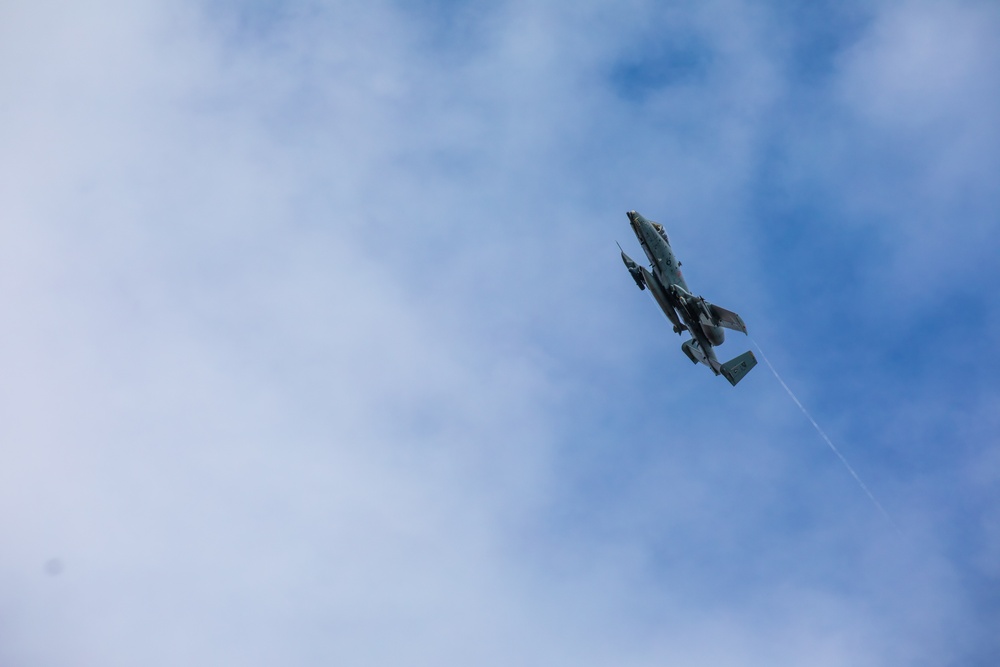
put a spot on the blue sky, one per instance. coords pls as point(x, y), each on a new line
point(317, 347)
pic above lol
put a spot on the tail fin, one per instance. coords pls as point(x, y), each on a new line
point(735, 369)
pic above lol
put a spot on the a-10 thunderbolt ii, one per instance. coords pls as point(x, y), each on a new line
point(687, 312)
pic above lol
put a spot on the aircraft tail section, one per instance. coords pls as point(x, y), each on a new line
point(694, 352)
point(735, 369)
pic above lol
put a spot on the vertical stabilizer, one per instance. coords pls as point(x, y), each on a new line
point(735, 369)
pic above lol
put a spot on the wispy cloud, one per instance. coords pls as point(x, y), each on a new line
point(316, 346)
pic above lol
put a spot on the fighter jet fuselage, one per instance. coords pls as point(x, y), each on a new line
point(703, 320)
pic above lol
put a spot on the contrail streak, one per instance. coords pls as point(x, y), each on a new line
point(826, 438)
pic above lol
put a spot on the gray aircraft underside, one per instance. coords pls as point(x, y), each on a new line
point(703, 320)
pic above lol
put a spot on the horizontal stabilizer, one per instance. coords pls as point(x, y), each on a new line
point(735, 369)
point(694, 352)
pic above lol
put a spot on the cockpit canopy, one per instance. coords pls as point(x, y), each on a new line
point(659, 229)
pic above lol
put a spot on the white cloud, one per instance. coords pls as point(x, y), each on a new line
point(921, 90)
point(295, 323)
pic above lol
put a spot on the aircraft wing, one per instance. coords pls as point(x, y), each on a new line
point(725, 318)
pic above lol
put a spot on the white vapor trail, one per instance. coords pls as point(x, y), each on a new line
point(825, 437)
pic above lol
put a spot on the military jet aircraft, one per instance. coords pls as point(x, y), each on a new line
point(687, 312)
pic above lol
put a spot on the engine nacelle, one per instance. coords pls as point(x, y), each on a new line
point(715, 335)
